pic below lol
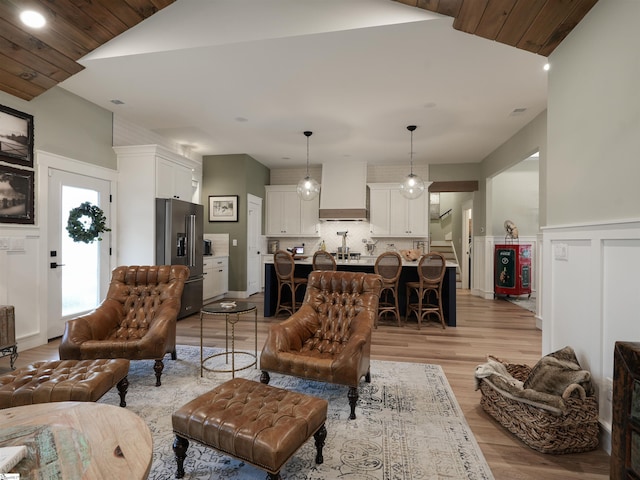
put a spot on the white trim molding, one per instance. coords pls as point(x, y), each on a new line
point(591, 297)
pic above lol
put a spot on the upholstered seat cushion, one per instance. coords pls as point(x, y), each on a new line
point(260, 424)
point(62, 380)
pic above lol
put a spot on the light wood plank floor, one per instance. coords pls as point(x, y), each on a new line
point(494, 327)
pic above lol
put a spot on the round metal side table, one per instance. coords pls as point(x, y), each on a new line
point(231, 317)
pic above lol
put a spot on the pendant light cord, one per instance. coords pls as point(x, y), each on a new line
point(411, 128)
point(308, 134)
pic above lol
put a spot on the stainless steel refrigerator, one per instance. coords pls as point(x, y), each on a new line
point(179, 227)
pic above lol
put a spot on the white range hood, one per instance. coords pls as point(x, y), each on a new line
point(343, 192)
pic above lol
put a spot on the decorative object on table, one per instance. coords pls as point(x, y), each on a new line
point(10, 456)
point(329, 338)
point(511, 229)
point(411, 255)
point(550, 407)
point(308, 188)
point(429, 433)
point(16, 137)
point(17, 197)
point(136, 320)
point(86, 223)
point(223, 208)
point(412, 187)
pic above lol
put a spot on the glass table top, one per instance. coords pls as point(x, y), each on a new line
point(228, 307)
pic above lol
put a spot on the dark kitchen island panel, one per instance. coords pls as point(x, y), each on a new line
point(409, 274)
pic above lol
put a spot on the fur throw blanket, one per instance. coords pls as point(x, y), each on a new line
point(553, 379)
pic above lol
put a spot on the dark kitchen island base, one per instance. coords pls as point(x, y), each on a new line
point(409, 274)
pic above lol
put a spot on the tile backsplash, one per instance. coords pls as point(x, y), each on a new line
point(219, 242)
point(358, 234)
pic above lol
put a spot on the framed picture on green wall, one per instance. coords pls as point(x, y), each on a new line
point(16, 137)
point(223, 208)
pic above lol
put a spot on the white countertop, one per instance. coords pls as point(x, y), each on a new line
point(364, 260)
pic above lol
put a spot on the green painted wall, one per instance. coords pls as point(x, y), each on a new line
point(239, 175)
point(68, 125)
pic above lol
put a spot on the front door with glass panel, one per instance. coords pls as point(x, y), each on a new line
point(78, 271)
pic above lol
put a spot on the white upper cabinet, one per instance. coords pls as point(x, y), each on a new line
point(173, 180)
point(287, 214)
point(393, 215)
point(147, 172)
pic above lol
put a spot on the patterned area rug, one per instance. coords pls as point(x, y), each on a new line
point(528, 303)
point(409, 425)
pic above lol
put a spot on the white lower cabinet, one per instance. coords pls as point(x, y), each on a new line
point(216, 277)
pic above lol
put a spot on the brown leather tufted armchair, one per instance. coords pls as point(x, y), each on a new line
point(329, 338)
point(137, 320)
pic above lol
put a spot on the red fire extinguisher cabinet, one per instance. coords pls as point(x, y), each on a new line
point(512, 269)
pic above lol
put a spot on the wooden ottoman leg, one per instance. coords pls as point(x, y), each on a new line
point(274, 476)
point(158, 367)
point(123, 386)
point(353, 399)
point(320, 437)
point(180, 445)
point(264, 377)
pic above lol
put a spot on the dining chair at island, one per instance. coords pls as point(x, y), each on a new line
point(389, 266)
point(285, 272)
point(323, 260)
point(428, 289)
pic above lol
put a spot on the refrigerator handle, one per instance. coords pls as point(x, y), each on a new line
point(191, 240)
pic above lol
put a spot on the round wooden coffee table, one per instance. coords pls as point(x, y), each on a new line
point(78, 440)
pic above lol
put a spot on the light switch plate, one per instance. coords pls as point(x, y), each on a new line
point(561, 251)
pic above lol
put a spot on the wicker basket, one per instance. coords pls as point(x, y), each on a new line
point(576, 430)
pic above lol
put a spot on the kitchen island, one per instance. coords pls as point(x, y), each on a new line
point(364, 264)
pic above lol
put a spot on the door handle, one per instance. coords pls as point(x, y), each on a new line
point(56, 265)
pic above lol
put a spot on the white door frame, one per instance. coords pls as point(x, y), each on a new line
point(45, 161)
point(467, 241)
point(254, 233)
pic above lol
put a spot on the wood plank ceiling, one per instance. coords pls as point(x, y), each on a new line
point(537, 26)
point(31, 62)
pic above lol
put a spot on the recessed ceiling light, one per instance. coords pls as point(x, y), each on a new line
point(32, 19)
point(241, 119)
point(115, 101)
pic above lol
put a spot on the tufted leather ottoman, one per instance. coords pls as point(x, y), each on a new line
point(256, 423)
point(64, 380)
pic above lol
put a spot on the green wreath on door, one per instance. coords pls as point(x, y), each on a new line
point(86, 223)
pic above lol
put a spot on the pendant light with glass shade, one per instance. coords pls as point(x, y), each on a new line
point(308, 188)
point(412, 186)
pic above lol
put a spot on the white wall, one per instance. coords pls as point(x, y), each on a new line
point(591, 298)
point(515, 196)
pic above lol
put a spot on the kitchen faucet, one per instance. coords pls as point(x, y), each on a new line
point(345, 255)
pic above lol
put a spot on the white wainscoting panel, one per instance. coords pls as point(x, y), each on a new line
point(591, 297)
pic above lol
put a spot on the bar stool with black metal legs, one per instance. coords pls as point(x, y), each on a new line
point(389, 266)
point(431, 269)
point(323, 260)
point(285, 268)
